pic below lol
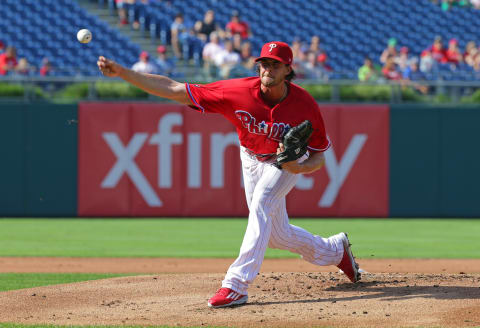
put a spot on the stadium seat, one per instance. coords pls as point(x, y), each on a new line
point(21, 21)
point(349, 30)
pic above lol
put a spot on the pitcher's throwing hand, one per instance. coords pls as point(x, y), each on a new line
point(108, 67)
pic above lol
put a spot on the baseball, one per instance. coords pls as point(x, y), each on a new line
point(84, 36)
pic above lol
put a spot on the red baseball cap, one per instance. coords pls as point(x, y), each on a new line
point(144, 54)
point(322, 58)
point(277, 50)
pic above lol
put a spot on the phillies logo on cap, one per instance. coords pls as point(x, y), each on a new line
point(277, 50)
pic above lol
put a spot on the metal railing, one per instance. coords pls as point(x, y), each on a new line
point(453, 90)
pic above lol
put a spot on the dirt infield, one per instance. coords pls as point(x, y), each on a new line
point(287, 293)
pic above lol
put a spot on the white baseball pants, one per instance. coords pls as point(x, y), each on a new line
point(266, 188)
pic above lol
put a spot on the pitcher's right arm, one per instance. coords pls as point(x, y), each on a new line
point(157, 85)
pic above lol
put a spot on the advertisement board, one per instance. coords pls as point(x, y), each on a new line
point(146, 159)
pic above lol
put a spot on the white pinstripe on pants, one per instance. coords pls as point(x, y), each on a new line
point(266, 188)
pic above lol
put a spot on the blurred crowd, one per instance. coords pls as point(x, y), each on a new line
point(448, 4)
point(225, 51)
point(11, 65)
point(398, 64)
point(222, 51)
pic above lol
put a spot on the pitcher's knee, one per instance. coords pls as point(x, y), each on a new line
point(274, 244)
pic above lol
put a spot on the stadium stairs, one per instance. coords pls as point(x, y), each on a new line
point(138, 37)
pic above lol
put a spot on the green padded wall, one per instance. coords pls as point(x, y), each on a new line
point(39, 166)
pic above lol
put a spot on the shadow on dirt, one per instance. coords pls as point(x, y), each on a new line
point(389, 291)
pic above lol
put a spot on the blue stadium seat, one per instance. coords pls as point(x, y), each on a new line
point(348, 29)
point(21, 20)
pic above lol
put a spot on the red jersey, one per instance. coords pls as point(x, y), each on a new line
point(260, 127)
point(5, 62)
point(238, 28)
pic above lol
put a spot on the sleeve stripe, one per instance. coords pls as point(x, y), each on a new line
point(321, 149)
point(193, 99)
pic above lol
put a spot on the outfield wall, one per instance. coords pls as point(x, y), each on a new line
point(38, 167)
point(148, 159)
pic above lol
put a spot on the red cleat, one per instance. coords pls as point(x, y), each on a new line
point(225, 297)
point(348, 264)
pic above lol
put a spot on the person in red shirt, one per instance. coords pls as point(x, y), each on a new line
point(453, 54)
point(438, 51)
point(236, 26)
point(46, 68)
point(8, 60)
point(262, 108)
point(390, 71)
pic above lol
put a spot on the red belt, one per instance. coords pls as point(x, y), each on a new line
point(262, 157)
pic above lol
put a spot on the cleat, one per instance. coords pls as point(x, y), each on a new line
point(348, 265)
point(226, 297)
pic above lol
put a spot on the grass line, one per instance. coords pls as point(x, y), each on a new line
point(221, 238)
point(13, 281)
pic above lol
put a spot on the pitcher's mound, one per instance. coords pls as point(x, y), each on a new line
point(275, 300)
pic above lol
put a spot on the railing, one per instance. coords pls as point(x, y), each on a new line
point(452, 90)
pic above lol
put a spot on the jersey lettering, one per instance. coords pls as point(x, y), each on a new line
point(274, 131)
point(278, 130)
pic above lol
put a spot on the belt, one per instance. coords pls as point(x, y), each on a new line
point(261, 157)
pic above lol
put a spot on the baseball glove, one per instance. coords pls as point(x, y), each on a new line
point(295, 143)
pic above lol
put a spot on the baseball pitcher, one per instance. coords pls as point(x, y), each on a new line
point(281, 134)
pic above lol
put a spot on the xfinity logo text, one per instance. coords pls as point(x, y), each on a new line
point(164, 139)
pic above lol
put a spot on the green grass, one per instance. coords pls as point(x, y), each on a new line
point(12, 281)
point(13, 325)
point(379, 238)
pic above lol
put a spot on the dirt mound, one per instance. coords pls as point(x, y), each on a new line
point(287, 299)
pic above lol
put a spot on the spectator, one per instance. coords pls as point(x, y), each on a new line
point(315, 45)
point(390, 71)
point(412, 76)
point(46, 68)
point(237, 26)
point(122, 12)
point(297, 50)
point(447, 4)
point(141, 4)
point(163, 65)
point(322, 62)
point(389, 51)
point(207, 26)
point(299, 58)
point(178, 31)
point(8, 60)
point(475, 4)
point(427, 63)
point(471, 52)
point(144, 65)
point(453, 54)
point(23, 67)
point(209, 52)
point(237, 43)
point(226, 59)
point(367, 72)
point(246, 67)
point(402, 59)
point(437, 50)
point(476, 64)
point(191, 45)
point(2, 47)
point(246, 57)
point(313, 70)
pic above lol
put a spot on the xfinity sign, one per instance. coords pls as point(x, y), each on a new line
point(165, 139)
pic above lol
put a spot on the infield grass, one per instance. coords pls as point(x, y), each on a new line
point(202, 238)
point(12, 281)
point(12, 325)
